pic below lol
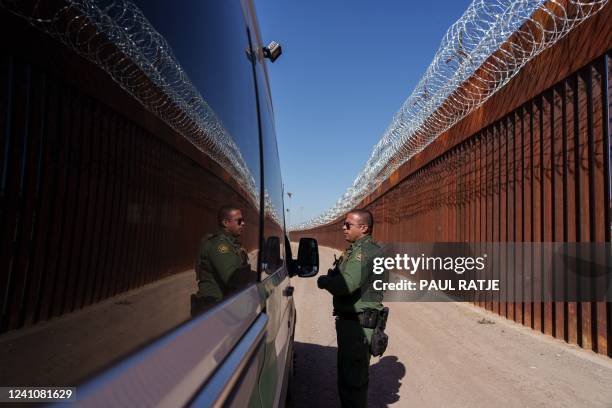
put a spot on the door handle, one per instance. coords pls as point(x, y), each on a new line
point(288, 291)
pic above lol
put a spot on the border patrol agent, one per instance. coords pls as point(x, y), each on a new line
point(222, 265)
point(356, 307)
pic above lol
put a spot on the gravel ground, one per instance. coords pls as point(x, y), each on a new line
point(439, 355)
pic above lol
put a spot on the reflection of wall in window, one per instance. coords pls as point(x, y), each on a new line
point(121, 39)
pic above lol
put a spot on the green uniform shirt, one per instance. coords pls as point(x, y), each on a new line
point(222, 265)
point(352, 288)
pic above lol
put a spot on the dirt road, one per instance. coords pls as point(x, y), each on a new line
point(439, 355)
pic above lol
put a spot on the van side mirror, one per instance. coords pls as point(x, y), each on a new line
point(308, 258)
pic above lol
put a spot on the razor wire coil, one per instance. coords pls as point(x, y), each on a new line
point(478, 55)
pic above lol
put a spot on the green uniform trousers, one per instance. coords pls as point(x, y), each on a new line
point(353, 362)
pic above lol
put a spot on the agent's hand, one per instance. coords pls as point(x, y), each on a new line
point(322, 281)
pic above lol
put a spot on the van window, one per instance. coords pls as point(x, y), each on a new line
point(274, 209)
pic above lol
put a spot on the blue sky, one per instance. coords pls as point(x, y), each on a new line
point(346, 68)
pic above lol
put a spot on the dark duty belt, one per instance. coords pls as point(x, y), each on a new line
point(366, 319)
point(349, 316)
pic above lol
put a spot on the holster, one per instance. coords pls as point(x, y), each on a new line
point(380, 340)
point(379, 343)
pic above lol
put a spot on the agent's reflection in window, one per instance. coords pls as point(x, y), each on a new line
point(222, 266)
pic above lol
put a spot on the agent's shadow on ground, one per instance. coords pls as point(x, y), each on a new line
point(314, 383)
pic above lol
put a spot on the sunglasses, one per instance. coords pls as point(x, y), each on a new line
point(348, 225)
point(239, 221)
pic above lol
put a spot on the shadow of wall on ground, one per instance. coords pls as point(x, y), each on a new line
point(314, 383)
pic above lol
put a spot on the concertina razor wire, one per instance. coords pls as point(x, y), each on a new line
point(478, 55)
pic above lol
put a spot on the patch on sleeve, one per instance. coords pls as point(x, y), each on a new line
point(223, 248)
point(358, 256)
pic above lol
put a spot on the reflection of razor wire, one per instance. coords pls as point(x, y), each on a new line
point(117, 37)
point(270, 209)
point(479, 54)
